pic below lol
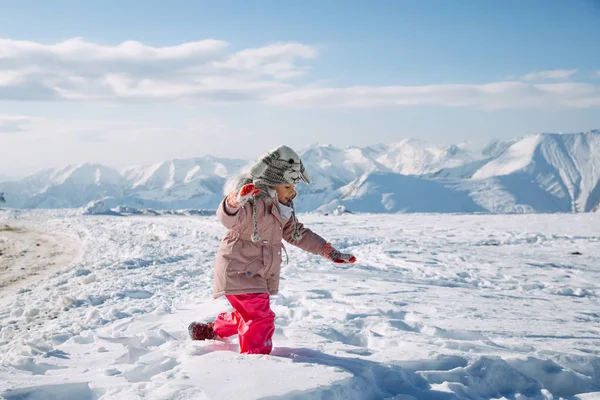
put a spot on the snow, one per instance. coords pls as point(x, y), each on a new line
point(516, 158)
point(565, 166)
point(167, 174)
point(330, 167)
point(388, 192)
point(438, 306)
point(74, 184)
point(415, 157)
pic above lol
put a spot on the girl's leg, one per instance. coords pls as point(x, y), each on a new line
point(255, 322)
point(226, 324)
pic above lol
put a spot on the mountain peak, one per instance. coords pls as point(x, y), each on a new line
point(177, 172)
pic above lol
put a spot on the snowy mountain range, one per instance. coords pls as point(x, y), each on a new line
point(546, 172)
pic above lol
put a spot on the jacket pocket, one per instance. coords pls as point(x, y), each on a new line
point(250, 268)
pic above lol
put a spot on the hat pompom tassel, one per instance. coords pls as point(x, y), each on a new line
point(296, 235)
point(255, 236)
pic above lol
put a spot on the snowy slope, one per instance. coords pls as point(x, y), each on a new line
point(539, 173)
point(415, 157)
point(480, 156)
point(188, 183)
point(332, 167)
point(76, 185)
point(379, 192)
point(65, 187)
point(565, 166)
point(437, 307)
point(172, 184)
point(169, 174)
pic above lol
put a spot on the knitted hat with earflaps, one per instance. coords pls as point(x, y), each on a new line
point(278, 167)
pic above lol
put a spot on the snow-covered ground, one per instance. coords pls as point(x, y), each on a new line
point(437, 307)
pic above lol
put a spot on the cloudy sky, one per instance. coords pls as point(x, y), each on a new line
point(136, 82)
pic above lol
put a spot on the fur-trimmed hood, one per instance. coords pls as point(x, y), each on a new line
point(236, 182)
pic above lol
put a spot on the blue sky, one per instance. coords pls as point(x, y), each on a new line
point(339, 72)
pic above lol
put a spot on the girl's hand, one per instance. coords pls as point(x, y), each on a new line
point(339, 258)
point(238, 198)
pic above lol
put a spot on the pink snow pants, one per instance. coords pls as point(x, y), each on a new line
point(252, 320)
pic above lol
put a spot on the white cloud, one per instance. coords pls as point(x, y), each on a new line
point(498, 95)
point(208, 71)
point(78, 50)
point(277, 60)
point(555, 74)
point(79, 70)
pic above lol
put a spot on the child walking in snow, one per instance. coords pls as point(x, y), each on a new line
point(258, 213)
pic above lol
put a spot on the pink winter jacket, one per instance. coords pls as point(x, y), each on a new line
point(243, 266)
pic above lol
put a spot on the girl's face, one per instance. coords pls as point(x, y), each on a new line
point(285, 193)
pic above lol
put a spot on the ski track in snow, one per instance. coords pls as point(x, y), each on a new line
point(437, 307)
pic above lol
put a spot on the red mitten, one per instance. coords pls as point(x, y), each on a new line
point(238, 198)
point(339, 258)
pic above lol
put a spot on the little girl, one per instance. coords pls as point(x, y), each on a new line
point(258, 213)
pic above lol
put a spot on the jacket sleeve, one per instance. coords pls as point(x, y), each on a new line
point(235, 217)
point(310, 241)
